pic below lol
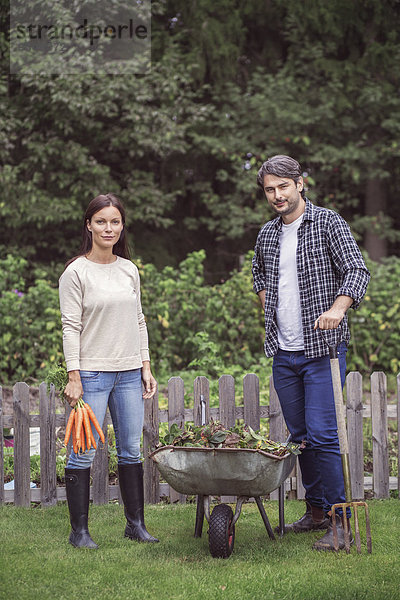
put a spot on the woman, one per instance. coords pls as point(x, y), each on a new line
point(106, 352)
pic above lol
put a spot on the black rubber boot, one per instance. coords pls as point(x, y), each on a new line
point(77, 484)
point(326, 542)
point(131, 486)
point(313, 519)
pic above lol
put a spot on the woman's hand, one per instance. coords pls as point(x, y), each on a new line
point(73, 390)
point(150, 384)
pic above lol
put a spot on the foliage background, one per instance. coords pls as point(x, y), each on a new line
point(209, 329)
point(231, 83)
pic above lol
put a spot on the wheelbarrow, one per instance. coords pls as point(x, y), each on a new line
point(242, 472)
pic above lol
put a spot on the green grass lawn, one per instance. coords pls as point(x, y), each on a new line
point(37, 561)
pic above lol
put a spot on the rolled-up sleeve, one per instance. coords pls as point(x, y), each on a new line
point(258, 268)
point(70, 294)
point(348, 260)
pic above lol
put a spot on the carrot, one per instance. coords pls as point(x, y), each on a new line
point(78, 422)
point(74, 440)
point(95, 422)
point(82, 440)
point(86, 427)
point(69, 427)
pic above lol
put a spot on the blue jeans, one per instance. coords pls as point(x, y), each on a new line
point(304, 388)
point(122, 391)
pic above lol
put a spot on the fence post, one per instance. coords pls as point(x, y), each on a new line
point(277, 427)
point(176, 414)
point(355, 433)
point(201, 400)
point(22, 463)
point(380, 452)
point(226, 385)
point(1, 449)
point(201, 415)
point(99, 471)
point(398, 433)
point(150, 438)
point(251, 401)
point(48, 474)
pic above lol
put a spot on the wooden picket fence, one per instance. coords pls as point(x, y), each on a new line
point(251, 412)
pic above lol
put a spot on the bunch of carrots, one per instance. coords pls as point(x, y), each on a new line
point(81, 415)
point(79, 425)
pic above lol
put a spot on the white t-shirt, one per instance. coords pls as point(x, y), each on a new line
point(103, 324)
point(288, 311)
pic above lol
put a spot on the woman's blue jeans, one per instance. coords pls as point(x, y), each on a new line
point(122, 392)
point(304, 388)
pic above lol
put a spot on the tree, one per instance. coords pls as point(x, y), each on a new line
point(229, 86)
point(349, 52)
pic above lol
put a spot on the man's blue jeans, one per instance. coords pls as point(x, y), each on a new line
point(304, 388)
point(122, 391)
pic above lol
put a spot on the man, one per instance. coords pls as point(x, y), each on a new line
point(308, 271)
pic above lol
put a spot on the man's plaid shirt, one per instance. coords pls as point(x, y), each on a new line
point(329, 264)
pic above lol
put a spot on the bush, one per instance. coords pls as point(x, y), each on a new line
point(375, 326)
point(210, 330)
point(219, 329)
point(30, 332)
point(180, 308)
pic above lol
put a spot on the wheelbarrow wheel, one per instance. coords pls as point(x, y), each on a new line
point(221, 532)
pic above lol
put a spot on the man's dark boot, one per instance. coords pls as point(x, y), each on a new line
point(131, 486)
point(77, 485)
point(326, 542)
point(313, 519)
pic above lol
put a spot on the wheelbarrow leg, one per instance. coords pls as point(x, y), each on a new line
point(264, 517)
point(198, 529)
point(281, 504)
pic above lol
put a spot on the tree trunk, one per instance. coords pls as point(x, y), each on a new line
point(375, 203)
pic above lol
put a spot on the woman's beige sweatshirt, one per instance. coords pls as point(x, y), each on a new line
point(104, 328)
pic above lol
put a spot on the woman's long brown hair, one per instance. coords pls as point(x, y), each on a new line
point(121, 247)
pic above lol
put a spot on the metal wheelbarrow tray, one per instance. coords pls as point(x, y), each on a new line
point(240, 472)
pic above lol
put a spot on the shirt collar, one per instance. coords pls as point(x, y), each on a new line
point(309, 211)
point(308, 215)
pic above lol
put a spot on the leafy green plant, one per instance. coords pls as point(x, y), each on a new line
point(58, 376)
point(61, 462)
point(8, 463)
point(61, 458)
point(30, 332)
point(193, 325)
point(194, 328)
point(375, 326)
point(215, 330)
point(208, 358)
point(112, 451)
point(216, 435)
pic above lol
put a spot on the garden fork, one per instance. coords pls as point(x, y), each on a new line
point(344, 453)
